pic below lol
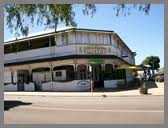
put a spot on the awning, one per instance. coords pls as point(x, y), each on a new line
point(128, 67)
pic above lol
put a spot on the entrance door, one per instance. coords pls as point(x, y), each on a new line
point(97, 76)
point(38, 78)
point(82, 72)
point(20, 82)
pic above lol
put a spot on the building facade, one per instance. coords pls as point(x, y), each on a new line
point(66, 60)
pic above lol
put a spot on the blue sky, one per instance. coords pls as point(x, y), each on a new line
point(142, 33)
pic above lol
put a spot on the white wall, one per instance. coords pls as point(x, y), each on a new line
point(29, 87)
point(64, 50)
point(75, 85)
point(92, 38)
point(7, 77)
point(59, 39)
point(27, 55)
point(85, 38)
point(15, 78)
point(71, 38)
point(10, 87)
point(39, 77)
point(112, 83)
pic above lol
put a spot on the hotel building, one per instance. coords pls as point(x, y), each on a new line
point(66, 60)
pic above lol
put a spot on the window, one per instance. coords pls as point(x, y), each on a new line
point(21, 75)
point(58, 74)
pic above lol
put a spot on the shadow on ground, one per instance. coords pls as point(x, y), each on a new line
point(114, 90)
point(14, 103)
point(149, 84)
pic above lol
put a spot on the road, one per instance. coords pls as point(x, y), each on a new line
point(84, 110)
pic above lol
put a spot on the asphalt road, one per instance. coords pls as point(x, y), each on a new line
point(84, 110)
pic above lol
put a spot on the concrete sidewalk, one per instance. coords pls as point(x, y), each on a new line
point(157, 91)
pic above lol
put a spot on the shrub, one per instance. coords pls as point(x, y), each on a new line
point(143, 89)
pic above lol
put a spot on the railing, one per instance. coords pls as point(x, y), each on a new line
point(40, 53)
point(56, 51)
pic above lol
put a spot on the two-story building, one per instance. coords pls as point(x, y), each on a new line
point(65, 60)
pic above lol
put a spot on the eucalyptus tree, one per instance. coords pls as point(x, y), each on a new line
point(19, 17)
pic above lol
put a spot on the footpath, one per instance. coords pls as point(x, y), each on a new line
point(158, 90)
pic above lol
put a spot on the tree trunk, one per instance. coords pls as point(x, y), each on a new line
point(153, 73)
point(56, 22)
point(145, 74)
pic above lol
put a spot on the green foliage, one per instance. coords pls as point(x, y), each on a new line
point(19, 17)
point(89, 8)
point(153, 61)
point(125, 9)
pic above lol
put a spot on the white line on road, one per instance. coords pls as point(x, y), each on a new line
point(90, 110)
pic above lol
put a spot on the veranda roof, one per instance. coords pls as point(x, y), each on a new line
point(128, 67)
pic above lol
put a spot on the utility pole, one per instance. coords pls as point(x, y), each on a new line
point(91, 85)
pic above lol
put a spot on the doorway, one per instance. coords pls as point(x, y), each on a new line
point(40, 76)
point(20, 82)
point(23, 77)
point(82, 72)
point(97, 76)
